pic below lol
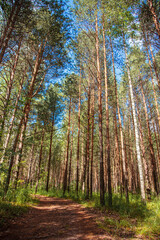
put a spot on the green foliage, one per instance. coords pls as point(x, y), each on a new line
point(16, 203)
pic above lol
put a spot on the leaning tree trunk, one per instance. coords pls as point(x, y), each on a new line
point(12, 119)
point(8, 94)
point(154, 16)
point(102, 200)
point(140, 166)
point(9, 28)
point(25, 116)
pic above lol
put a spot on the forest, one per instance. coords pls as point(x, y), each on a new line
point(79, 109)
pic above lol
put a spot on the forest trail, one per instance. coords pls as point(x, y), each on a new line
point(55, 218)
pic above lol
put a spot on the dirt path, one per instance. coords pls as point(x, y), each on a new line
point(56, 218)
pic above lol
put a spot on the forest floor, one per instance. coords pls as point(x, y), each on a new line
point(57, 218)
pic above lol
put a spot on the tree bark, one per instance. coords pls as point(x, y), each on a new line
point(107, 122)
point(67, 150)
point(78, 140)
point(155, 17)
point(40, 160)
point(102, 200)
point(140, 166)
point(50, 154)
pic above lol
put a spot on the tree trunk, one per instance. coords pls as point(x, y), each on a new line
point(8, 94)
point(153, 160)
point(102, 201)
point(12, 119)
point(140, 167)
point(50, 154)
point(25, 116)
point(155, 17)
point(125, 174)
point(107, 122)
point(151, 73)
point(40, 160)
point(67, 151)
point(88, 137)
point(9, 28)
point(92, 138)
point(78, 141)
point(70, 162)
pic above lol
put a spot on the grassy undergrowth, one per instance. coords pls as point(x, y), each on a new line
point(122, 220)
point(15, 203)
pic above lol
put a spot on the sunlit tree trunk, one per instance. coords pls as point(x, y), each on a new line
point(78, 140)
point(125, 174)
point(92, 137)
point(102, 201)
point(155, 17)
point(71, 151)
point(67, 150)
point(107, 121)
point(145, 164)
point(23, 123)
point(50, 154)
point(140, 166)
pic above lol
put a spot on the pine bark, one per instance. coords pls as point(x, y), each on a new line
point(50, 154)
point(78, 140)
point(107, 122)
point(102, 200)
point(67, 150)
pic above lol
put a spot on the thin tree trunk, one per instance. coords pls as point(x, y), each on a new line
point(154, 63)
point(40, 160)
point(145, 164)
point(102, 200)
point(78, 140)
point(92, 139)
point(67, 150)
point(140, 167)
point(151, 73)
point(50, 154)
point(25, 116)
point(70, 162)
point(9, 28)
point(107, 121)
point(12, 119)
point(88, 138)
point(9, 88)
point(153, 160)
point(155, 17)
point(125, 174)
